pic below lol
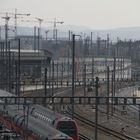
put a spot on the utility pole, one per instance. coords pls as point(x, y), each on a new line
point(108, 53)
point(0, 33)
point(96, 109)
point(9, 67)
point(57, 73)
point(52, 77)
point(139, 114)
point(45, 85)
point(107, 48)
point(112, 90)
point(108, 92)
point(84, 79)
point(46, 32)
point(1, 66)
point(18, 73)
point(98, 46)
point(40, 22)
point(35, 38)
point(62, 68)
point(92, 57)
point(7, 18)
point(18, 68)
point(114, 73)
point(69, 54)
point(73, 71)
point(39, 34)
point(38, 40)
point(53, 82)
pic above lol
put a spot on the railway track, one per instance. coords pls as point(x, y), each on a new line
point(114, 133)
point(83, 137)
point(41, 93)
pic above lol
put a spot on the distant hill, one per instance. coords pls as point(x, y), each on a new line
point(122, 33)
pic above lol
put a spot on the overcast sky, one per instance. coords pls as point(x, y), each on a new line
point(95, 14)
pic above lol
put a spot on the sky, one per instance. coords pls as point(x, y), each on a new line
point(94, 14)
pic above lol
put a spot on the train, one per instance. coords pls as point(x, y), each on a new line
point(17, 119)
point(58, 121)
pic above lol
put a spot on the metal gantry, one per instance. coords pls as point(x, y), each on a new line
point(65, 100)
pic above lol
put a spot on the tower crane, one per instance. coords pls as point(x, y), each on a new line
point(15, 17)
point(39, 20)
point(7, 18)
point(54, 27)
point(55, 22)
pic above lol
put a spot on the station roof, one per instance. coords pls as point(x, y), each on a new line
point(31, 54)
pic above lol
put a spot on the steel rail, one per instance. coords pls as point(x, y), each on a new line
point(83, 137)
point(104, 129)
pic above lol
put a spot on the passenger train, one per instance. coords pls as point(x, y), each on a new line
point(58, 121)
point(15, 118)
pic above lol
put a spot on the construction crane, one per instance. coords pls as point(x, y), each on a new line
point(54, 28)
point(6, 66)
point(15, 17)
point(0, 32)
point(7, 18)
point(55, 22)
point(39, 20)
